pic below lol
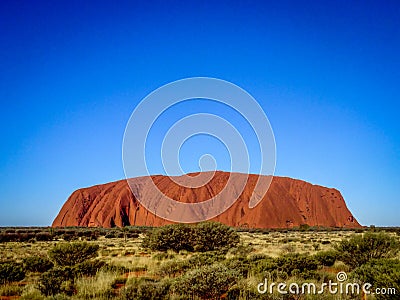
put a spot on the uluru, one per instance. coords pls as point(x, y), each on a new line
point(288, 202)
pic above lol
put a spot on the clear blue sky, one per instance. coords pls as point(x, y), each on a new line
point(327, 74)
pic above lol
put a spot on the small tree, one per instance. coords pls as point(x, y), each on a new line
point(360, 249)
point(69, 254)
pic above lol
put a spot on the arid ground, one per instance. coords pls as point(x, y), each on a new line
point(123, 267)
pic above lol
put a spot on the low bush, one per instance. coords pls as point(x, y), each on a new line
point(203, 259)
point(69, 254)
point(210, 236)
point(239, 264)
point(16, 237)
point(241, 250)
point(205, 236)
point(326, 258)
point(11, 271)
point(172, 268)
point(265, 265)
point(88, 268)
point(176, 267)
point(146, 289)
point(37, 264)
point(207, 282)
point(43, 236)
point(114, 269)
point(299, 262)
point(381, 273)
point(69, 236)
point(50, 282)
point(163, 255)
point(170, 237)
point(360, 249)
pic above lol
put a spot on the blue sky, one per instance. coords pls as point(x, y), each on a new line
point(326, 73)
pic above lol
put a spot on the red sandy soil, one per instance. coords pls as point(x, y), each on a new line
point(288, 203)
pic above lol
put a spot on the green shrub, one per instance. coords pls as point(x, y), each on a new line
point(69, 254)
point(11, 271)
point(205, 236)
point(88, 268)
point(360, 249)
point(203, 259)
point(207, 282)
point(326, 258)
point(114, 269)
point(172, 268)
point(170, 237)
point(176, 267)
point(16, 237)
point(163, 255)
point(50, 282)
point(69, 236)
point(37, 264)
point(241, 250)
point(256, 257)
point(146, 289)
point(210, 236)
point(43, 236)
point(299, 262)
point(304, 227)
point(239, 264)
point(267, 264)
point(381, 273)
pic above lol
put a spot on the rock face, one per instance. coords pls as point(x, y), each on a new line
point(288, 203)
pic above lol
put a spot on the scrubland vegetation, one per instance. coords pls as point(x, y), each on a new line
point(203, 261)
